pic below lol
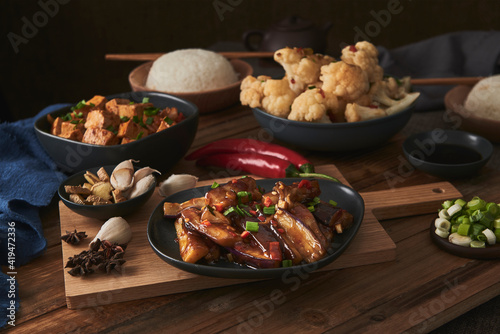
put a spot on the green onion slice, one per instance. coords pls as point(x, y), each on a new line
point(252, 226)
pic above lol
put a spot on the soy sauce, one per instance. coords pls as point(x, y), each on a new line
point(452, 154)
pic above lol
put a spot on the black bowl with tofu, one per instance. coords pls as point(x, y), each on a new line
point(160, 149)
point(101, 211)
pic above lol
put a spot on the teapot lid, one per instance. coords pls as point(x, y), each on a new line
point(293, 23)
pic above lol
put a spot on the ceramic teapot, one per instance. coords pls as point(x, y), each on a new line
point(292, 31)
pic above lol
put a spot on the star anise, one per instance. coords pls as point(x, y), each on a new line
point(108, 259)
point(73, 238)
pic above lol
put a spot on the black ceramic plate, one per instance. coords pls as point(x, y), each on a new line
point(489, 252)
point(106, 211)
point(161, 234)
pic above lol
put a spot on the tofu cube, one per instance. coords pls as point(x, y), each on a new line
point(102, 119)
point(99, 136)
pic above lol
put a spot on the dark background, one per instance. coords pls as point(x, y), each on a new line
point(62, 60)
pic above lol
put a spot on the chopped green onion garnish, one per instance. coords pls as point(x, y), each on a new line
point(460, 202)
point(252, 226)
point(151, 111)
point(244, 176)
point(311, 208)
point(243, 194)
point(131, 102)
point(447, 204)
point(149, 120)
point(139, 136)
point(80, 105)
point(476, 204)
point(214, 185)
point(168, 120)
point(229, 210)
point(145, 99)
point(477, 244)
point(269, 210)
point(286, 263)
point(124, 118)
point(463, 229)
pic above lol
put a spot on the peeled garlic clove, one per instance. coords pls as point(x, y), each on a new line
point(141, 186)
point(122, 177)
point(115, 229)
point(143, 172)
point(176, 183)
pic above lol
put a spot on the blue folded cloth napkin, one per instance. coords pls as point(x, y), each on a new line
point(29, 179)
point(458, 54)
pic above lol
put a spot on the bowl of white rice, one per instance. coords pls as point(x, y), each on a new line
point(203, 77)
point(476, 108)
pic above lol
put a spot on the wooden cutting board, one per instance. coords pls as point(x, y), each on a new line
point(146, 275)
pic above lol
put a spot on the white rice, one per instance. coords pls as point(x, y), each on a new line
point(484, 98)
point(190, 70)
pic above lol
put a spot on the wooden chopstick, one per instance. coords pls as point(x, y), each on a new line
point(266, 54)
point(154, 56)
point(446, 81)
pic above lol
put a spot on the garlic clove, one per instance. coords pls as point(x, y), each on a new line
point(115, 229)
point(141, 186)
point(143, 172)
point(122, 179)
point(176, 183)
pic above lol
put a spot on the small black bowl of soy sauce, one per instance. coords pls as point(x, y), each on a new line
point(447, 153)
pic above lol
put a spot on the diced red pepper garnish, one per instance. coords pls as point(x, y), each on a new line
point(299, 49)
point(261, 218)
point(352, 48)
point(219, 207)
point(275, 250)
point(292, 81)
point(206, 223)
point(245, 234)
point(234, 181)
point(253, 212)
point(280, 230)
point(305, 184)
point(180, 117)
point(267, 201)
point(274, 222)
point(372, 106)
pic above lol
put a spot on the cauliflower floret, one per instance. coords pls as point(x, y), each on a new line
point(365, 55)
point(302, 67)
point(396, 89)
point(356, 113)
point(252, 90)
point(316, 105)
point(278, 97)
point(344, 80)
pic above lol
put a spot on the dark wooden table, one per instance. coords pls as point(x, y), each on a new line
point(422, 289)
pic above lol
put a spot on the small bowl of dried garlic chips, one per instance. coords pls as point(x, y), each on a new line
point(108, 191)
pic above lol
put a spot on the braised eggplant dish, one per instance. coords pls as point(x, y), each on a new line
point(240, 222)
point(117, 121)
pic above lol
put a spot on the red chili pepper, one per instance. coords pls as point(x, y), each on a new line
point(219, 207)
point(257, 164)
point(275, 250)
point(267, 201)
point(206, 223)
point(304, 184)
point(352, 48)
point(253, 212)
point(248, 145)
point(245, 234)
point(261, 218)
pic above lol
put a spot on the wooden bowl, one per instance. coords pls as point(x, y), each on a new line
point(466, 120)
point(208, 100)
